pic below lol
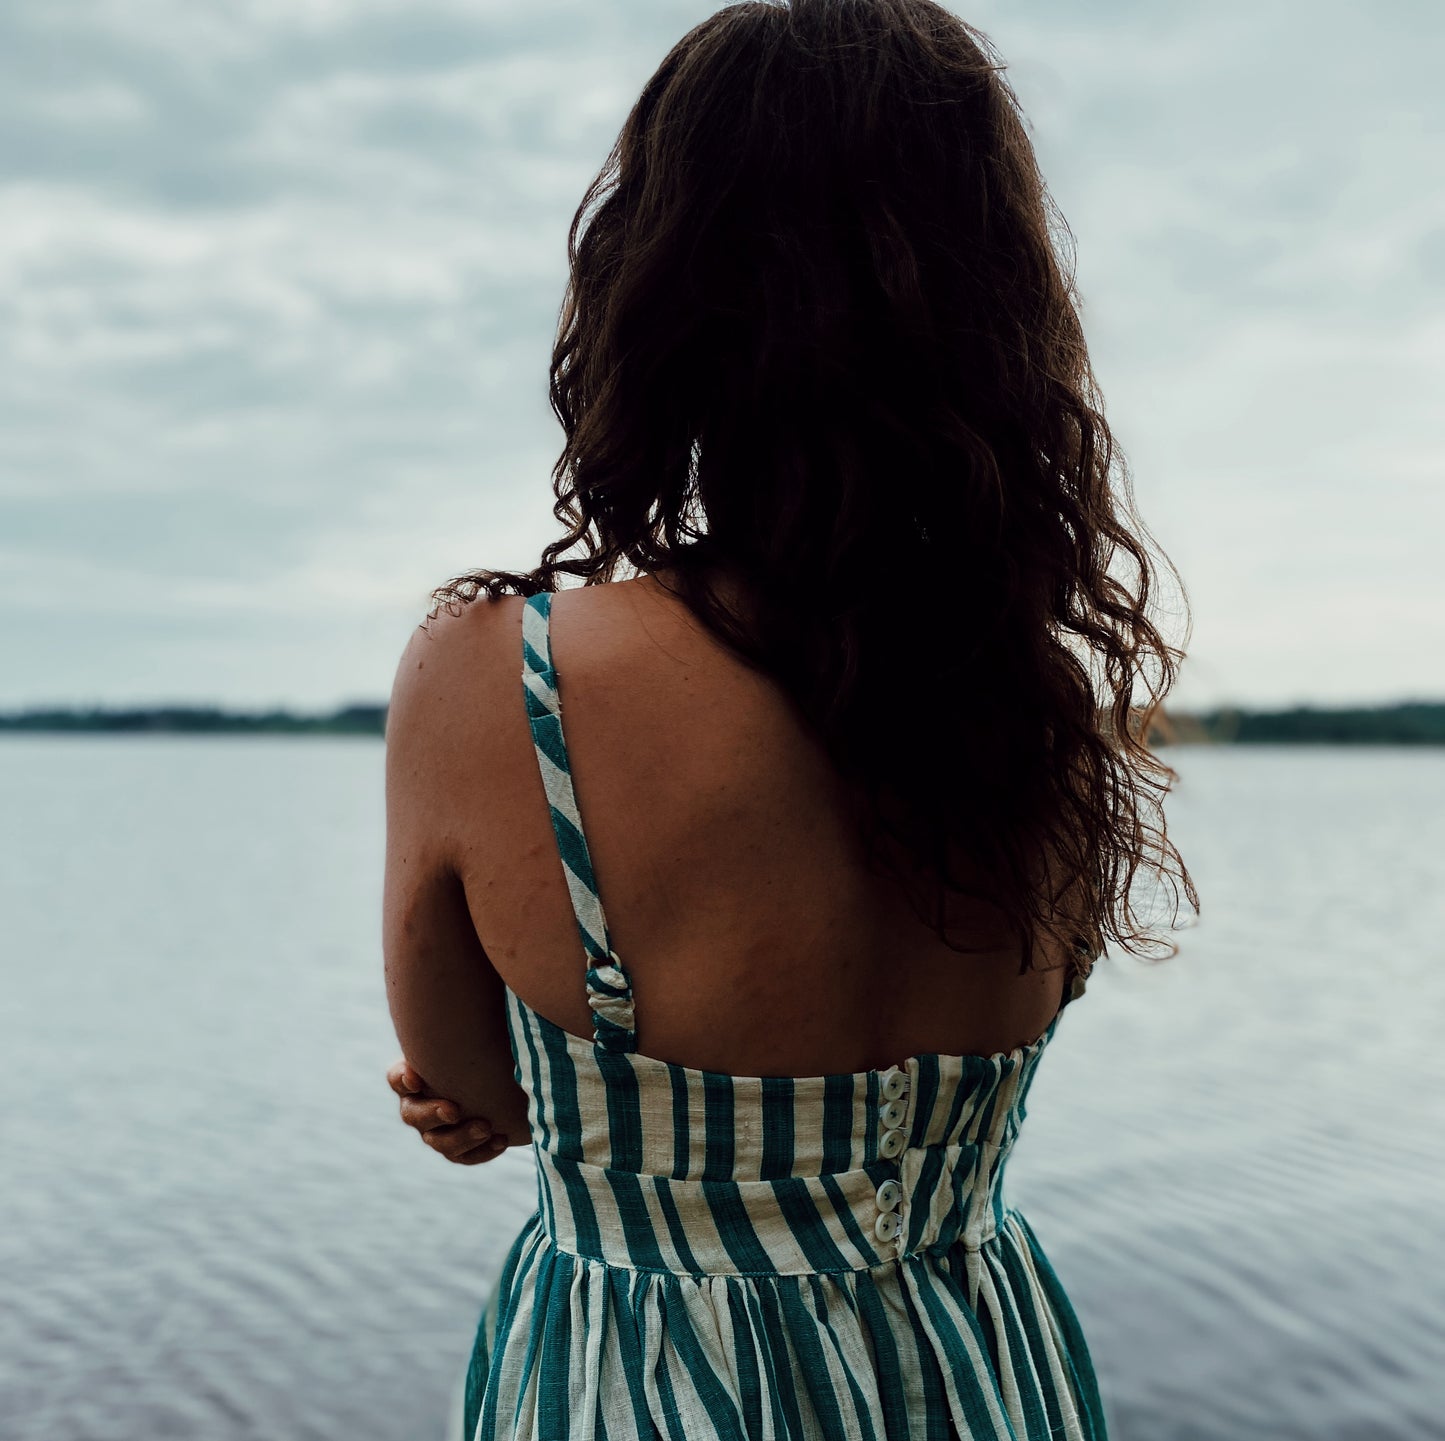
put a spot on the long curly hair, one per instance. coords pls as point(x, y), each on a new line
point(821, 328)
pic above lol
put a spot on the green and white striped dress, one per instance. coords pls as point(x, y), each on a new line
point(718, 1256)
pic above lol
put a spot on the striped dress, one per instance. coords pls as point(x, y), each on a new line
point(718, 1256)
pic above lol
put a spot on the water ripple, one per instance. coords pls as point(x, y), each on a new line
point(1232, 1159)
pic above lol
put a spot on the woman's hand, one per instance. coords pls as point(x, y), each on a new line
point(467, 1141)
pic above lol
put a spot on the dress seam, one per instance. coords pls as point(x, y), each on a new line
point(895, 1261)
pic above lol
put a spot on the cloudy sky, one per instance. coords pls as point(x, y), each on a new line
point(278, 281)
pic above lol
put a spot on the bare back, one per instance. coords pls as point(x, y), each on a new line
point(734, 881)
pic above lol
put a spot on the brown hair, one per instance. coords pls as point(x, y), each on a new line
point(818, 329)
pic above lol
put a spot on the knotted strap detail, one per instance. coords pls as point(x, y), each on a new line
point(609, 993)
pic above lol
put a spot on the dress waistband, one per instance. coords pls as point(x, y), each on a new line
point(928, 1198)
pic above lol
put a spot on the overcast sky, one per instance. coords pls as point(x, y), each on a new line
point(278, 282)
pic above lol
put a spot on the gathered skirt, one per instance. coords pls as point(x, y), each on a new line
point(969, 1342)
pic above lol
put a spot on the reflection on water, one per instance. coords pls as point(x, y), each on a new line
point(217, 1228)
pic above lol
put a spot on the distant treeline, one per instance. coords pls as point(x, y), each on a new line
point(1413, 723)
point(367, 720)
point(1409, 723)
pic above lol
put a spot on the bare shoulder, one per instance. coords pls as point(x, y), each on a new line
point(463, 665)
point(451, 722)
point(456, 713)
point(452, 660)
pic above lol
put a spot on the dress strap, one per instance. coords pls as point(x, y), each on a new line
point(609, 992)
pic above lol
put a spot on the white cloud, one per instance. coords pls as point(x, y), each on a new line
point(278, 282)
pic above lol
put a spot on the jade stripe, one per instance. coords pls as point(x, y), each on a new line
point(624, 1110)
point(719, 1407)
point(837, 1123)
point(955, 1114)
point(850, 1224)
point(546, 1203)
point(928, 1177)
point(544, 1287)
point(782, 1382)
point(978, 1414)
point(681, 1122)
point(579, 1204)
point(537, 709)
point(925, 1092)
point(574, 850)
point(717, 1107)
point(735, 1227)
point(861, 1422)
point(674, 1226)
point(888, 1371)
point(745, 1361)
point(800, 1211)
point(555, 1360)
point(984, 1121)
point(484, 1347)
point(620, 1294)
point(1067, 1320)
point(1021, 1286)
point(1021, 1371)
point(636, 1219)
point(938, 1426)
point(559, 1080)
point(777, 1402)
point(541, 1086)
point(506, 1320)
point(547, 733)
point(803, 1333)
point(777, 1100)
point(671, 1415)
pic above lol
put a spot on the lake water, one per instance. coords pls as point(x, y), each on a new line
point(216, 1227)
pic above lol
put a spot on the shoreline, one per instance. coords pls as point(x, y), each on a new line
point(1408, 723)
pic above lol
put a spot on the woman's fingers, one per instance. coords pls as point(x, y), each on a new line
point(426, 1113)
point(487, 1151)
point(466, 1143)
point(403, 1080)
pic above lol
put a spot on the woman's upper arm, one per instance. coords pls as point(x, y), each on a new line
point(447, 1002)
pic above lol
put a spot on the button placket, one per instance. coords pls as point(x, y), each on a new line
point(892, 1115)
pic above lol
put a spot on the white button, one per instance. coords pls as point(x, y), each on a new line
point(888, 1195)
point(894, 1085)
point(891, 1144)
point(887, 1226)
point(893, 1113)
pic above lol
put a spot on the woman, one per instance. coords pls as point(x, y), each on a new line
point(859, 750)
